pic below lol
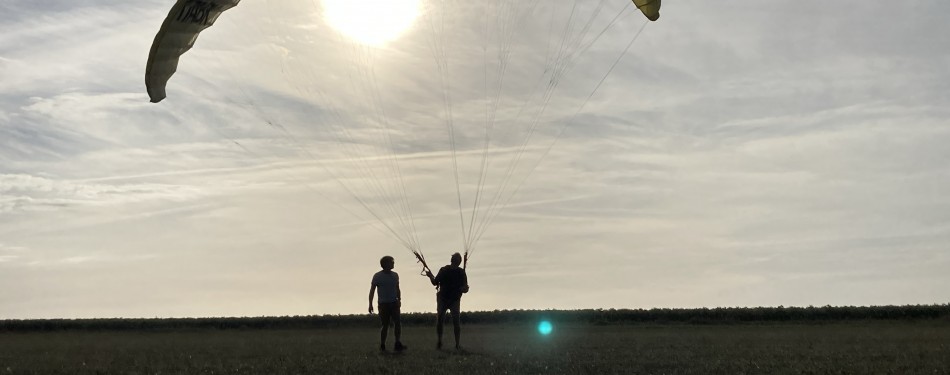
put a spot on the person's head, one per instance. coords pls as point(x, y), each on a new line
point(456, 259)
point(387, 262)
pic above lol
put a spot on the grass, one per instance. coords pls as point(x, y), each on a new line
point(881, 347)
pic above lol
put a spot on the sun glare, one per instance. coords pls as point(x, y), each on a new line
point(372, 22)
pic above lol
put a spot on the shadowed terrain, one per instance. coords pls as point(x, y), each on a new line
point(868, 346)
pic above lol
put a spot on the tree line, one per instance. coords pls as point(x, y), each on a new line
point(719, 315)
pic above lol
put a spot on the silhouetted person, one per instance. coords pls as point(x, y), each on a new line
point(389, 301)
point(452, 282)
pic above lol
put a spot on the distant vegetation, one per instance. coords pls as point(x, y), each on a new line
point(699, 316)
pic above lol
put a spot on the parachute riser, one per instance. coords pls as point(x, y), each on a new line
point(425, 267)
point(421, 259)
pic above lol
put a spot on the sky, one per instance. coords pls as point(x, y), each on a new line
point(741, 153)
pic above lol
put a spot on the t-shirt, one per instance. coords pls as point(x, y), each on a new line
point(387, 285)
point(451, 280)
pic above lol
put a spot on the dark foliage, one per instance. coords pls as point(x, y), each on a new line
point(721, 315)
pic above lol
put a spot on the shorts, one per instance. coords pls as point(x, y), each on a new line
point(452, 304)
point(388, 311)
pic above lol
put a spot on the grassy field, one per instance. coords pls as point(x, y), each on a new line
point(879, 347)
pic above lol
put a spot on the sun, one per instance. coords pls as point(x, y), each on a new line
point(371, 22)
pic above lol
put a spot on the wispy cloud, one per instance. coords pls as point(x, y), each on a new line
point(34, 192)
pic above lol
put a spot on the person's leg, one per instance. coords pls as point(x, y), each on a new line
point(440, 320)
point(397, 327)
point(385, 316)
point(456, 310)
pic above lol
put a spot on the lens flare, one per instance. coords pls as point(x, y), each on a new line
point(545, 327)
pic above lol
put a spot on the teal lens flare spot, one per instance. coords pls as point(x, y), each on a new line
point(545, 328)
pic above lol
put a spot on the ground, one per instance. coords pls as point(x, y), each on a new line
point(900, 347)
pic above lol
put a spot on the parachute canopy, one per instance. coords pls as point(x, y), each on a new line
point(188, 18)
point(177, 35)
point(355, 114)
point(650, 8)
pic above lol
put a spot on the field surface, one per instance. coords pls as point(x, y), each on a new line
point(880, 347)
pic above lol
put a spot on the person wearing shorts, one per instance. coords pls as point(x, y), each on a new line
point(452, 283)
point(389, 301)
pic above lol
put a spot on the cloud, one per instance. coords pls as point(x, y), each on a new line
point(9, 253)
point(27, 192)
